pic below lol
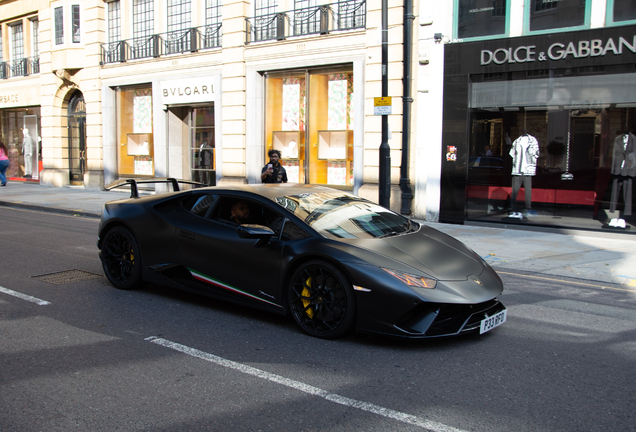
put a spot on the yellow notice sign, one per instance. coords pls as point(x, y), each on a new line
point(382, 105)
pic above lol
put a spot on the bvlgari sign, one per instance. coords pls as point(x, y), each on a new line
point(191, 90)
point(560, 51)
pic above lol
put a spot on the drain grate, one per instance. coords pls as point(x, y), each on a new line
point(67, 276)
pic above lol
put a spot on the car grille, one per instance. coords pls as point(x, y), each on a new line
point(433, 320)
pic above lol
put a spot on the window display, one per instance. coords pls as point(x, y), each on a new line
point(543, 162)
point(310, 121)
point(20, 132)
point(134, 128)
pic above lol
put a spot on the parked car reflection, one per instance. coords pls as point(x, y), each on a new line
point(485, 170)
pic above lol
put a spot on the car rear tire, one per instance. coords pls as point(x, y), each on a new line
point(121, 258)
point(321, 300)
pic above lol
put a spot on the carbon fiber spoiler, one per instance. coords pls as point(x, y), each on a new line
point(134, 191)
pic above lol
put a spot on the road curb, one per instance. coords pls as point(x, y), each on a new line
point(47, 209)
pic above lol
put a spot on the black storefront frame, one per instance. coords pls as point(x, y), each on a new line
point(504, 58)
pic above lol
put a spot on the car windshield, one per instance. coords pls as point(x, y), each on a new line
point(341, 215)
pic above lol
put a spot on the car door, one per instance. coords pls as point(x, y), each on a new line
point(239, 269)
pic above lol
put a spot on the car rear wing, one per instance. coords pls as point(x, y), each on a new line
point(134, 190)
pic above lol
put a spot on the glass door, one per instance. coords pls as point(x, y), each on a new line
point(203, 147)
point(77, 139)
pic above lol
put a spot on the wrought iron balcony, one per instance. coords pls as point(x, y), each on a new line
point(344, 15)
point(20, 67)
point(176, 42)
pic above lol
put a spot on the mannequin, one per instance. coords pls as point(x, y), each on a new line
point(623, 172)
point(27, 152)
point(524, 153)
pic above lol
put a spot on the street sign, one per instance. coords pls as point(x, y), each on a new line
point(382, 105)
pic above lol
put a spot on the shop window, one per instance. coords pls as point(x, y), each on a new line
point(13, 126)
point(621, 12)
point(542, 157)
point(310, 120)
point(134, 120)
point(545, 15)
point(481, 18)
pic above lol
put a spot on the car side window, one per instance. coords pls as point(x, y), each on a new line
point(237, 210)
point(199, 204)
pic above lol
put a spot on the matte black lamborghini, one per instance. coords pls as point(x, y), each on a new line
point(334, 261)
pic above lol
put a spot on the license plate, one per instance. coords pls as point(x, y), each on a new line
point(493, 321)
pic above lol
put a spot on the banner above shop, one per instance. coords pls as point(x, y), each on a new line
point(20, 96)
point(186, 91)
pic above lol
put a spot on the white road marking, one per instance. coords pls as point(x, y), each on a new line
point(24, 296)
point(305, 388)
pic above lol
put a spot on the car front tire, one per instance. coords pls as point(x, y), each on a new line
point(321, 300)
point(121, 258)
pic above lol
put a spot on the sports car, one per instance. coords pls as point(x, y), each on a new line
point(334, 261)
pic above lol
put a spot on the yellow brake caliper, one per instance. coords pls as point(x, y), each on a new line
point(305, 296)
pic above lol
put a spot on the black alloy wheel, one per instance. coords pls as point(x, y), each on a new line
point(321, 300)
point(121, 259)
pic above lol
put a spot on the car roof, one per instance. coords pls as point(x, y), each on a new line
point(271, 191)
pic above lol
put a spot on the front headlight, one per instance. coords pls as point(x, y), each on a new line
point(412, 280)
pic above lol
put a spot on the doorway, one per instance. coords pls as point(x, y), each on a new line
point(77, 138)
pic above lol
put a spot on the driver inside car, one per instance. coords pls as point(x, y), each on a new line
point(240, 212)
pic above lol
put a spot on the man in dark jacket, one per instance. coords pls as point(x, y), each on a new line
point(273, 172)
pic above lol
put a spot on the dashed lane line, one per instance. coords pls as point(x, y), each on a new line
point(24, 296)
point(305, 388)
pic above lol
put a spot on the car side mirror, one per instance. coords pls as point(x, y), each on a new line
point(253, 231)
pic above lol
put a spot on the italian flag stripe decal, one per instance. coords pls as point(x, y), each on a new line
point(209, 280)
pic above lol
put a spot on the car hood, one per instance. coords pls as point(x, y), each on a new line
point(427, 250)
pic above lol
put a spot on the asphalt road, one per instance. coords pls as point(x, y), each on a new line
point(81, 355)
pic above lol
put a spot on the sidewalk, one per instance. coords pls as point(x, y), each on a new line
point(600, 257)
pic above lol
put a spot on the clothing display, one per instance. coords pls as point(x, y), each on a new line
point(526, 181)
point(623, 170)
point(524, 153)
point(27, 152)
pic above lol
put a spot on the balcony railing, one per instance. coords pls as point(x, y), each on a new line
point(176, 42)
point(345, 15)
point(20, 67)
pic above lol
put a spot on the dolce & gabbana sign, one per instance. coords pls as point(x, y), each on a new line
point(560, 51)
point(187, 91)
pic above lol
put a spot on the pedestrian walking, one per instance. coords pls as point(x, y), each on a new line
point(4, 163)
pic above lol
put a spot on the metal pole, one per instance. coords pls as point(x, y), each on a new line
point(405, 181)
point(385, 150)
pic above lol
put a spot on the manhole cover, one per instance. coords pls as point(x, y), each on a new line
point(67, 276)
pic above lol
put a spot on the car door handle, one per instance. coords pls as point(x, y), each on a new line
point(187, 235)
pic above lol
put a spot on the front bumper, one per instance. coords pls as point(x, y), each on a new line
point(439, 320)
